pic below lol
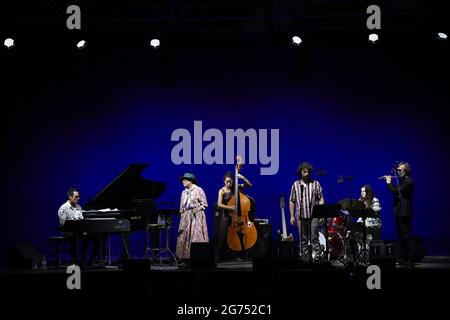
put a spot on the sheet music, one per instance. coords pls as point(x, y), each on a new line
point(102, 210)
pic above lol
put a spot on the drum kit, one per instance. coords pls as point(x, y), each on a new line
point(348, 241)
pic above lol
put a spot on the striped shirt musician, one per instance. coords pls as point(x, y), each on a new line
point(305, 194)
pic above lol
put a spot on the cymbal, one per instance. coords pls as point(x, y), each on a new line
point(351, 204)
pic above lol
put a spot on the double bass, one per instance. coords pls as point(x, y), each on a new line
point(242, 234)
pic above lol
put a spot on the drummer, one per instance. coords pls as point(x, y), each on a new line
point(347, 222)
point(366, 200)
point(370, 201)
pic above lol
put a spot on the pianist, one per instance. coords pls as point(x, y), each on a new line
point(71, 210)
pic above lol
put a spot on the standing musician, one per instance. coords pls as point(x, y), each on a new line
point(192, 226)
point(224, 196)
point(403, 209)
point(305, 194)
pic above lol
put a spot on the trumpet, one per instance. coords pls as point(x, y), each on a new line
point(384, 177)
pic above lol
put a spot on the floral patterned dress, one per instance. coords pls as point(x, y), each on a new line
point(192, 226)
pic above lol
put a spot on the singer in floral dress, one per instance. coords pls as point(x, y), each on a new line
point(192, 226)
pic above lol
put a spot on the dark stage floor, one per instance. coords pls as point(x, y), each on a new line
point(234, 282)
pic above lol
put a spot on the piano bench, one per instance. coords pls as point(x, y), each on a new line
point(57, 243)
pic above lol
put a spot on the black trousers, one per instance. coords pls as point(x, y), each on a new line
point(86, 240)
point(220, 228)
point(405, 241)
point(374, 233)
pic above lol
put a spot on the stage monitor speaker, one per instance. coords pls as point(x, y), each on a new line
point(382, 253)
point(202, 255)
point(287, 249)
point(263, 245)
point(25, 255)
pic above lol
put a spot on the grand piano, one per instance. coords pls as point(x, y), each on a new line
point(125, 205)
point(128, 196)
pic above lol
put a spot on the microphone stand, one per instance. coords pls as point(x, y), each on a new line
point(310, 246)
point(349, 217)
point(398, 188)
point(302, 210)
point(364, 246)
point(300, 224)
point(399, 191)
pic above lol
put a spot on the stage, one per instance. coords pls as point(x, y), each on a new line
point(133, 127)
point(235, 282)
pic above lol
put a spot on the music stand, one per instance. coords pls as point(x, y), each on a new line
point(363, 213)
point(325, 211)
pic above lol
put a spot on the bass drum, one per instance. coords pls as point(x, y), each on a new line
point(336, 242)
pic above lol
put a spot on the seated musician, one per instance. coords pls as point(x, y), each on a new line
point(373, 224)
point(71, 210)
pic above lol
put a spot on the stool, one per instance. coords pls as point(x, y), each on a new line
point(155, 230)
point(57, 242)
point(158, 251)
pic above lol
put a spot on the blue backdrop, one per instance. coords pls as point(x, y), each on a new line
point(79, 117)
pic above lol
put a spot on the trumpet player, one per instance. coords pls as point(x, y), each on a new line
point(403, 209)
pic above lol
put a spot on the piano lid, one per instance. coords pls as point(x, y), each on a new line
point(128, 185)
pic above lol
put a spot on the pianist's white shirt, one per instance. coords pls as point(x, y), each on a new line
point(68, 212)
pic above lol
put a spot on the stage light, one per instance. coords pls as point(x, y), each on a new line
point(442, 36)
point(81, 44)
point(373, 37)
point(296, 40)
point(9, 43)
point(155, 43)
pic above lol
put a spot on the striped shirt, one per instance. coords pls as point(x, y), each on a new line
point(305, 196)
